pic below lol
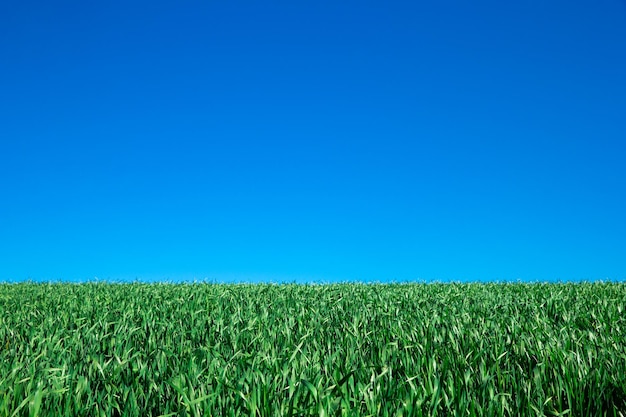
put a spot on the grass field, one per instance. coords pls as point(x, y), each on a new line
point(280, 350)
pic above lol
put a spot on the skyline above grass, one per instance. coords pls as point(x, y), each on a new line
point(313, 141)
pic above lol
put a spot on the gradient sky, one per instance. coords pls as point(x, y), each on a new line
point(313, 140)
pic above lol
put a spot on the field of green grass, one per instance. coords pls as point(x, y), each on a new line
point(289, 350)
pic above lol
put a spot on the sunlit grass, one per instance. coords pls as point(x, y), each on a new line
point(281, 350)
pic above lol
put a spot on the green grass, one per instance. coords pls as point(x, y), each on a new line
point(281, 350)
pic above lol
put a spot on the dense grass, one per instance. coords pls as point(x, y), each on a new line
point(272, 350)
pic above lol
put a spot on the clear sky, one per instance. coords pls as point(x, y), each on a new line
point(313, 140)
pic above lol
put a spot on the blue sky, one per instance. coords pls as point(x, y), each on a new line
point(313, 140)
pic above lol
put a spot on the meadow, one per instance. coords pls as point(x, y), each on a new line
point(102, 349)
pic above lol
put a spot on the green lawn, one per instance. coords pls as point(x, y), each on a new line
point(347, 349)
